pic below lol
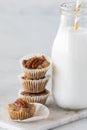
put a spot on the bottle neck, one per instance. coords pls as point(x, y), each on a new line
point(67, 21)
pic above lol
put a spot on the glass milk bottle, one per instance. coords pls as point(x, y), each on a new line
point(69, 57)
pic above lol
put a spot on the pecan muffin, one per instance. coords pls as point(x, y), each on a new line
point(20, 110)
point(35, 66)
point(34, 97)
point(36, 62)
point(33, 86)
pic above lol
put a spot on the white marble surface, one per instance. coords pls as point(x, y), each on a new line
point(57, 117)
point(26, 27)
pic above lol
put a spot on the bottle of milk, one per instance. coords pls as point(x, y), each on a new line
point(69, 56)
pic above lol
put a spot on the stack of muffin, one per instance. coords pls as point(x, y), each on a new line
point(34, 78)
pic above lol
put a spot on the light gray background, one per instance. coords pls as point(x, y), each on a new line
point(26, 26)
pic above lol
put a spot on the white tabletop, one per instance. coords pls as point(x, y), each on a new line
point(26, 27)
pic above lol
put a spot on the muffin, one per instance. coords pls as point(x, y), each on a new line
point(33, 86)
point(35, 66)
point(34, 97)
point(20, 110)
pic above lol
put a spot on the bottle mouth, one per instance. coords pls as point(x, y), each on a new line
point(70, 8)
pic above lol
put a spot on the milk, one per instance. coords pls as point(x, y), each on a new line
point(69, 57)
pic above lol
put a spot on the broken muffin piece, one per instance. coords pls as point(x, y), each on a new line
point(20, 110)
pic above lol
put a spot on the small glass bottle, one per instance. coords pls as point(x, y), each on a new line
point(69, 57)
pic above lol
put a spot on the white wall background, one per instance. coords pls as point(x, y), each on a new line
point(26, 26)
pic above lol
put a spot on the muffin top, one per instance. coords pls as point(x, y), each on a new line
point(20, 105)
point(45, 92)
point(36, 62)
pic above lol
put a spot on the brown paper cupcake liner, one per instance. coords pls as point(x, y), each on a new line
point(34, 73)
point(34, 99)
point(33, 86)
point(21, 115)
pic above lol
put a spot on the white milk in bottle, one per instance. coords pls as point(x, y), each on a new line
point(69, 57)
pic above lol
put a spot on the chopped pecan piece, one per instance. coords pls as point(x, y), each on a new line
point(20, 103)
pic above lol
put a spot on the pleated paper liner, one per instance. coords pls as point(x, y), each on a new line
point(34, 98)
point(33, 86)
point(41, 112)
